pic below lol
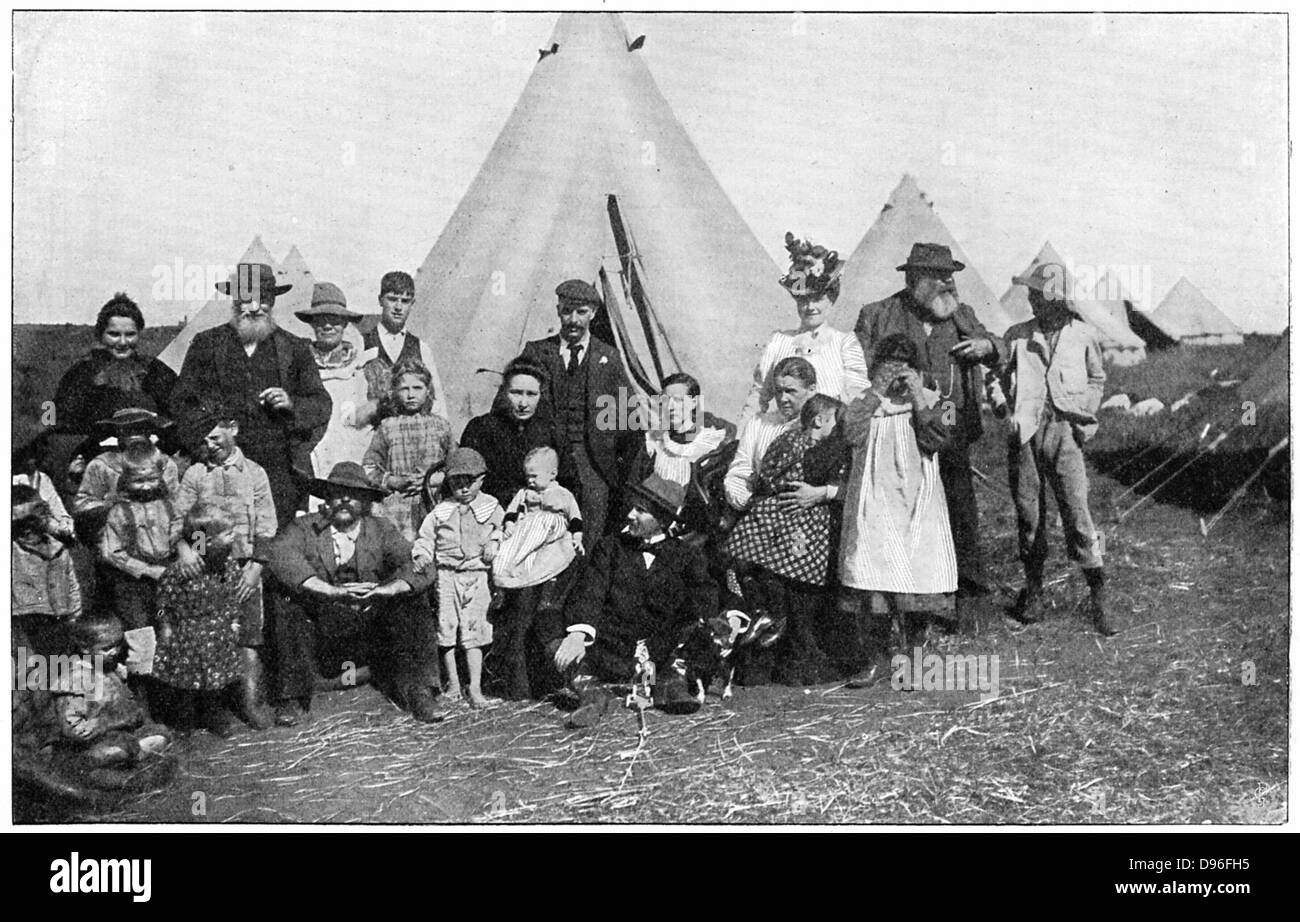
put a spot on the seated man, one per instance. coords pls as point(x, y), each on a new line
point(348, 591)
point(639, 585)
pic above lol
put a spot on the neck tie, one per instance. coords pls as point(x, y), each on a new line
point(575, 357)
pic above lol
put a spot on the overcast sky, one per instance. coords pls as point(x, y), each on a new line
point(1151, 142)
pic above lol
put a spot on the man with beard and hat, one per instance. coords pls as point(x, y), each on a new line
point(585, 377)
point(952, 344)
point(1053, 378)
point(640, 585)
point(268, 380)
point(348, 593)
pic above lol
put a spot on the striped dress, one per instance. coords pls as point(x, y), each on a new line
point(836, 356)
point(896, 541)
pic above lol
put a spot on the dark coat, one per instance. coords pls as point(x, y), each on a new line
point(84, 395)
point(215, 369)
point(963, 385)
point(304, 548)
point(606, 377)
point(504, 442)
point(625, 602)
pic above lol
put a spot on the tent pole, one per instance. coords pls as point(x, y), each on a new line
point(1241, 490)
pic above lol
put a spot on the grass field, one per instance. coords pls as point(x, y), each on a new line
point(1181, 718)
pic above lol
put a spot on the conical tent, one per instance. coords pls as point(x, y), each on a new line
point(871, 272)
point(1271, 382)
point(1119, 344)
point(1113, 295)
point(591, 122)
point(294, 271)
point(215, 312)
point(1191, 316)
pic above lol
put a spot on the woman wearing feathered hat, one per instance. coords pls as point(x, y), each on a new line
point(814, 282)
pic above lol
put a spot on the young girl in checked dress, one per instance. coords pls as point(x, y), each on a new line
point(406, 446)
point(786, 555)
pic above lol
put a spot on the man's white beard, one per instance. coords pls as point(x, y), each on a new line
point(251, 329)
point(943, 305)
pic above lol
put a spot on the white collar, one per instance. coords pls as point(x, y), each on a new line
point(236, 460)
point(585, 344)
point(481, 508)
point(353, 532)
point(706, 439)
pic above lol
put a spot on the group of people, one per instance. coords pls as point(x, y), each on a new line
point(287, 515)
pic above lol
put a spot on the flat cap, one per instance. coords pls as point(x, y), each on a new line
point(579, 291)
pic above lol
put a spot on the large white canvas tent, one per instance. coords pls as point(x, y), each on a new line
point(1112, 294)
point(1119, 344)
point(1193, 318)
point(216, 311)
point(871, 272)
point(590, 123)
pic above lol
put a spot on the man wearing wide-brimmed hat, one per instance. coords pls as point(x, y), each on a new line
point(952, 344)
point(348, 593)
point(639, 585)
point(268, 380)
point(1053, 379)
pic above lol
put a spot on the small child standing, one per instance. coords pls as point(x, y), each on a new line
point(406, 446)
point(45, 596)
point(137, 540)
point(197, 659)
point(543, 526)
point(460, 537)
point(136, 432)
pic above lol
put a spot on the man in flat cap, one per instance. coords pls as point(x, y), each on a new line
point(266, 378)
point(1053, 379)
point(584, 375)
point(389, 343)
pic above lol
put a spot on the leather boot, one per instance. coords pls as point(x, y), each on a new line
point(253, 706)
point(879, 629)
point(1028, 607)
point(1096, 578)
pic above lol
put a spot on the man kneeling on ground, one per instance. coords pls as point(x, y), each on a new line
point(639, 584)
point(350, 593)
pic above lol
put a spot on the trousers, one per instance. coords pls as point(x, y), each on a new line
point(1052, 457)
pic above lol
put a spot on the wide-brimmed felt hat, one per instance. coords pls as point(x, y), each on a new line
point(327, 300)
point(197, 421)
point(347, 474)
point(579, 291)
point(931, 257)
point(250, 278)
point(659, 496)
point(134, 418)
point(1050, 279)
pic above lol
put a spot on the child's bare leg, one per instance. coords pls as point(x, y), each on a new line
point(474, 660)
point(452, 690)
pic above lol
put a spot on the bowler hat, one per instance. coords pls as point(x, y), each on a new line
point(249, 278)
point(327, 300)
point(932, 257)
point(579, 291)
point(347, 474)
point(1049, 279)
point(465, 462)
point(661, 497)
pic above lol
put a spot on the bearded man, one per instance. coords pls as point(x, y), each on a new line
point(348, 596)
point(268, 381)
point(952, 344)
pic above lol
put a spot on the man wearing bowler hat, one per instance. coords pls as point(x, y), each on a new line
point(584, 374)
point(348, 592)
point(952, 344)
point(267, 378)
point(638, 585)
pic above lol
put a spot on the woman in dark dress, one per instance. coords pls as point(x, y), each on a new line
point(111, 376)
point(503, 437)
